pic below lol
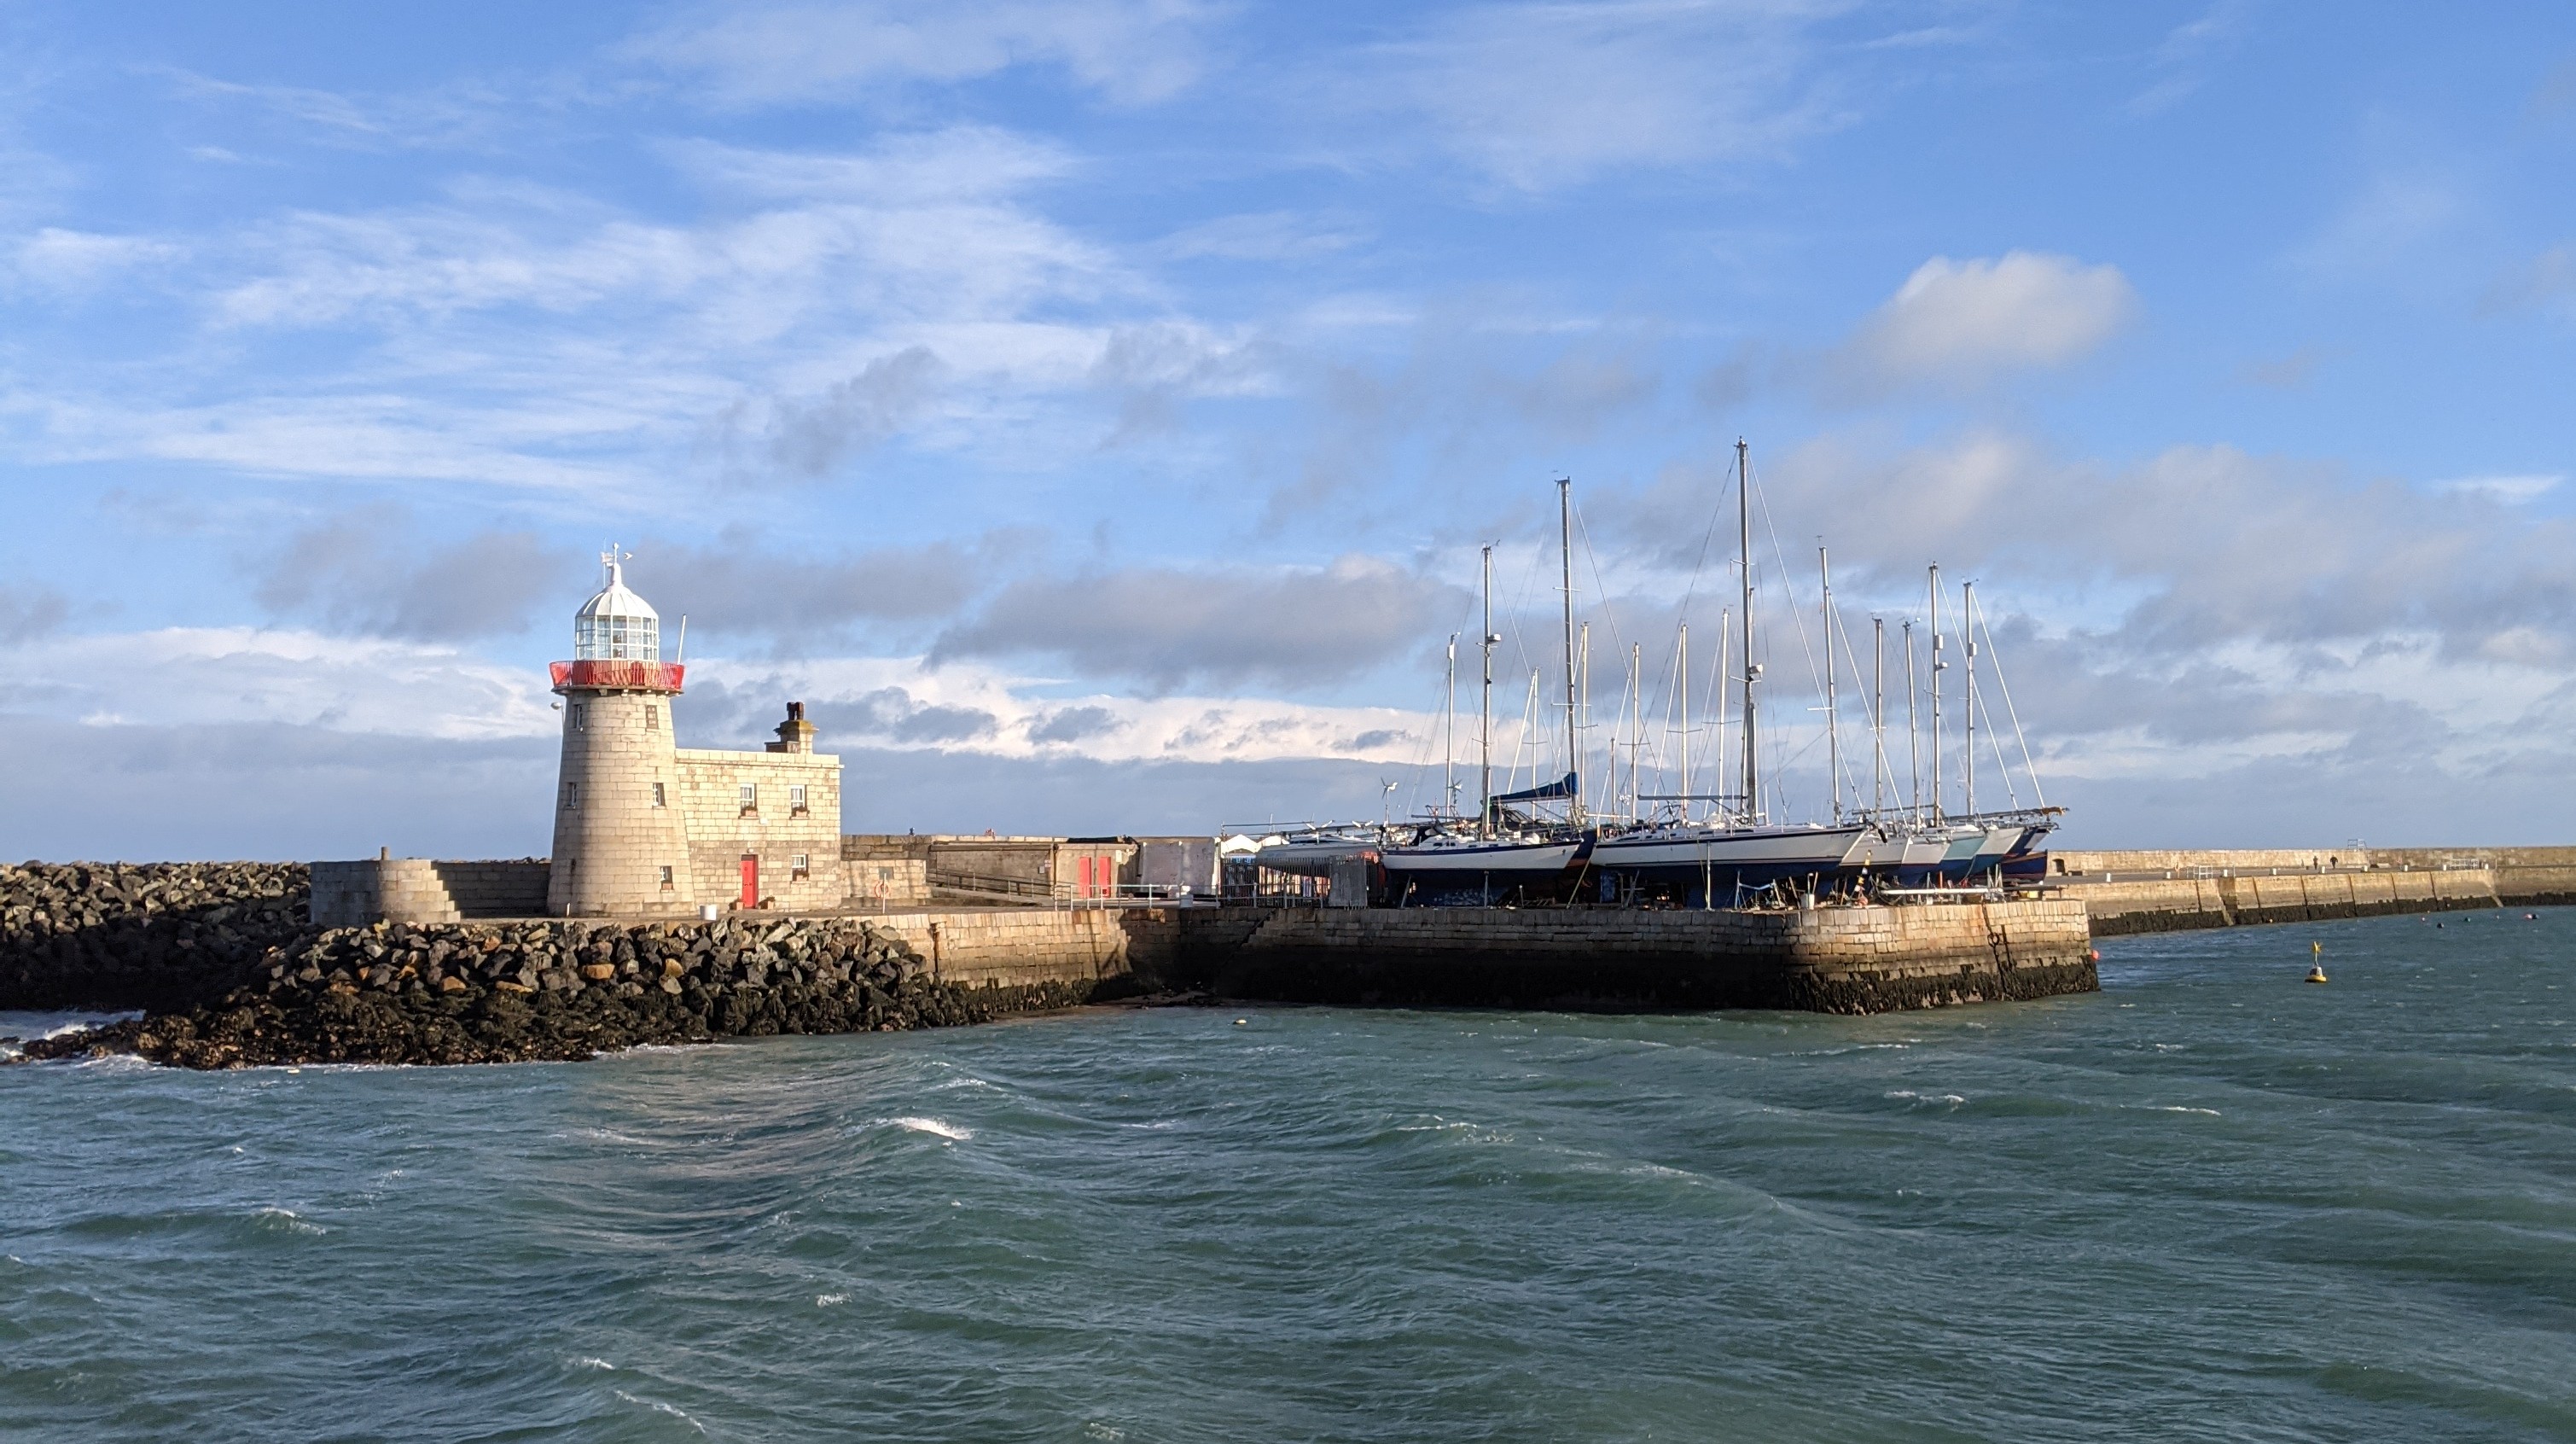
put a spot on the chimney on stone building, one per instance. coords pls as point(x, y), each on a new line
point(795, 734)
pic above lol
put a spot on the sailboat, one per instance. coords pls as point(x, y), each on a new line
point(1739, 851)
point(1539, 845)
point(1514, 851)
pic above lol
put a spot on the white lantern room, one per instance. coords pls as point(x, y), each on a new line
point(616, 625)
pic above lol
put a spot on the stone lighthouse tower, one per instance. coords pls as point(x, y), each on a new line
point(621, 846)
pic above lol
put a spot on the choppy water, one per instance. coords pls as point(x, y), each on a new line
point(2211, 1201)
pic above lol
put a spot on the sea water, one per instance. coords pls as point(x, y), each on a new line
point(2210, 1201)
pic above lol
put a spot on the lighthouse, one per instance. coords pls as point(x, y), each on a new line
point(621, 842)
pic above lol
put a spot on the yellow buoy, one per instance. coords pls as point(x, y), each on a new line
point(2316, 975)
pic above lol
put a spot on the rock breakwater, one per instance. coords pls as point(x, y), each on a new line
point(481, 993)
point(141, 935)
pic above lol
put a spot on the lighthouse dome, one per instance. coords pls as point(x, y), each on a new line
point(616, 624)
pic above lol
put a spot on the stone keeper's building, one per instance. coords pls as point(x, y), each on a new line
point(646, 827)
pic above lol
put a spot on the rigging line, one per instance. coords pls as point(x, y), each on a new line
point(1600, 590)
point(1610, 620)
point(1444, 711)
point(1514, 623)
point(1780, 558)
point(1520, 747)
point(1716, 510)
point(1995, 659)
point(2003, 769)
point(1798, 619)
point(1849, 655)
point(1421, 763)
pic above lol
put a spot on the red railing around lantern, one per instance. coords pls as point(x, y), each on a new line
point(617, 676)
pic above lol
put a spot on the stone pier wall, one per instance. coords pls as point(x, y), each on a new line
point(2190, 894)
point(1838, 960)
point(419, 890)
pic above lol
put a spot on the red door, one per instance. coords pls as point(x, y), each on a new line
point(1086, 876)
point(751, 880)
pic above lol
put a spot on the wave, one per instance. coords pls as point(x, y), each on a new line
point(285, 1220)
point(934, 1126)
point(673, 1410)
point(1953, 1099)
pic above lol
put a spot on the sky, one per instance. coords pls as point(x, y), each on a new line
point(1096, 412)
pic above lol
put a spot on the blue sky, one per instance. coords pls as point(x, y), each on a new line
point(1094, 411)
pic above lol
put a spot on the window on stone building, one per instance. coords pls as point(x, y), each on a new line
point(572, 796)
point(750, 793)
point(796, 798)
point(657, 796)
point(796, 866)
point(666, 877)
point(578, 713)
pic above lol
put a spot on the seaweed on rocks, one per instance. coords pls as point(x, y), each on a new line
point(510, 992)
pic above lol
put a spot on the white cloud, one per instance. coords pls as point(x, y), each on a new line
point(525, 338)
point(1282, 236)
point(2387, 230)
point(1132, 52)
point(2510, 490)
point(1961, 323)
point(200, 676)
point(2189, 52)
point(207, 677)
point(54, 259)
point(1165, 626)
point(1545, 95)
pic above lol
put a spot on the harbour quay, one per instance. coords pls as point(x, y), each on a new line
point(2142, 891)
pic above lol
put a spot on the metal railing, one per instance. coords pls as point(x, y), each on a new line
point(618, 675)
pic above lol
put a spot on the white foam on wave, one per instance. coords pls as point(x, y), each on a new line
point(1953, 1099)
point(35, 1023)
point(603, 1135)
point(1658, 1170)
point(825, 1301)
point(1850, 1048)
point(934, 1126)
point(286, 1220)
point(117, 1063)
point(671, 1409)
point(594, 1364)
point(2178, 1108)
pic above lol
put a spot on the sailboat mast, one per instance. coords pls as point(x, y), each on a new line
point(1938, 663)
point(1485, 724)
point(1833, 731)
point(1573, 739)
point(1878, 716)
point(1583, 668)
point(1682, 666)
point(1968, 632)
point(1913, 733)
point(1449, 735)
point(1717, 684)
point(1744, 564)
point(1636, 721)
